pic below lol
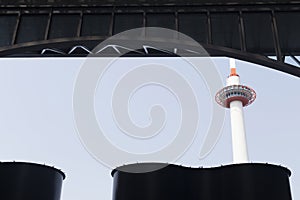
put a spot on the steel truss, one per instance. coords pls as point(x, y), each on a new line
point(247, 31)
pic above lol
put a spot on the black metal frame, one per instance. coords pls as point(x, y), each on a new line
point(62, 46)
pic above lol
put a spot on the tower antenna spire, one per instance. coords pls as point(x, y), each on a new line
point(236, 96)
point(232, 67)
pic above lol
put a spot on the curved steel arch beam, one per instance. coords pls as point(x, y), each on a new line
point(254, 58)
point(61, 43)
point(91, 42)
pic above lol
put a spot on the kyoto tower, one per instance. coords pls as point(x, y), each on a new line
point(239, 181)
point(236, 96)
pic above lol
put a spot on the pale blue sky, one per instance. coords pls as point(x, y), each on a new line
point(37, 125)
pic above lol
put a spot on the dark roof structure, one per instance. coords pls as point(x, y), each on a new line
point(246, 30)
point(138, 2)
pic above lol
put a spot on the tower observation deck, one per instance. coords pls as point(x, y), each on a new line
point(235, 96)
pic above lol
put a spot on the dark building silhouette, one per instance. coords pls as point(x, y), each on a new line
point(249, 181)
point(29, 181)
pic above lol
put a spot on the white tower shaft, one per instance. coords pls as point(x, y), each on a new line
point(239, 143)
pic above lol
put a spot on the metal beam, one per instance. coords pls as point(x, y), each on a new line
point(249, 31)
point(69, 3)
point(58, 48)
